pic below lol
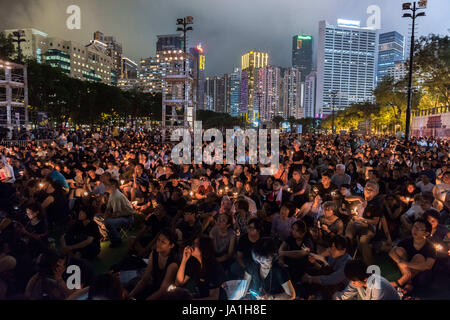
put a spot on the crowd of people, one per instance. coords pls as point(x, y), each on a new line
point(312, 230)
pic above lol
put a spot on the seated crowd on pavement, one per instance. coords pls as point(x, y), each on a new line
point(312, 230)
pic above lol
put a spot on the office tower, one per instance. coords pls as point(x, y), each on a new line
point(310, 95)
point(130, 75)
point(292, 94)
point(115, 51)
point(150, 75)
point(215, 94)
point(345, 65)
point(390, 51)
point(198, 66)
point(234, 95)
point(302, 54)
point(251, 62)
point(85, 62)
point(398, 71)
point(268, 92)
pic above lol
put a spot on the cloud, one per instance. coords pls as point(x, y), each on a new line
point(227, 28)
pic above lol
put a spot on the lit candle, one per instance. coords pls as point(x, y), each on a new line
point(122, 181)
point(438, 247)
point(41, 185)
point(85, 194)
point(171, 288)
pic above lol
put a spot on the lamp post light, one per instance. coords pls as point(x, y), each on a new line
point(422, 4)
point(19, 34)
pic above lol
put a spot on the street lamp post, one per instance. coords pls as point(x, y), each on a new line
point(185, 22)
point(407, 6)
point(19, 34)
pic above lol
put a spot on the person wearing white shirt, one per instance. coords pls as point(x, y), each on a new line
point(424, 184)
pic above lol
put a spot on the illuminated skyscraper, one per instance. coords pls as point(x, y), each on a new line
point(235, 86)
point(390, 51)
point(345, 65)
point(268, 93)
point(292, 94)
point(302, 54)
point(251, 62)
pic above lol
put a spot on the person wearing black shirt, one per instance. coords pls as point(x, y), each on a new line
point(245, 246)
point(265, 276)
point(295, 249)
point(365, 225)
point(199, 270)
point(153, 224)
point(414, 255)
point(190, 227)
point(161, 269)
point(326, 187)
point(84, 236)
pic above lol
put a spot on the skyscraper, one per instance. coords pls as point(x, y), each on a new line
point(391, 49)
point(235, 85)
point(115, 51)
point(215, 94)
point(292, 94)
point(268, 92)
point(251, 61)
point(310, 95)
point(345, 65)
point(199, 74)
point(302, 54)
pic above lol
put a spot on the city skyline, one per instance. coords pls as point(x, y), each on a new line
point(225, 35)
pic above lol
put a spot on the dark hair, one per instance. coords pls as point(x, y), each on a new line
point(103, 288)
point(291, 207)
point(242, 205)
point(356, 270)
point(257, 223)
point(265, 247)
point(46, 263)
point(206, 247)
point(169, 234)
point(35, 207)
point(191, 209)
point(340, 242)
point(431, 213)
point(327, 173)
point(279, 181)
point(428, 226)
point(301, 226)
point(88, 210)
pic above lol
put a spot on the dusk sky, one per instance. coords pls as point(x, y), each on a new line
point(227, 28)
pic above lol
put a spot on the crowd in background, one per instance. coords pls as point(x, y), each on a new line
point(336, 205)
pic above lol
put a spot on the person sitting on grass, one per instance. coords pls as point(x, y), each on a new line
point(199, 270)
point(364, 285)
point(265, 276)
point(83, 238)
point(414, 255)
point(161, 269)
point(329, 277)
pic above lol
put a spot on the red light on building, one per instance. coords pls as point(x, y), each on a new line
point(200, 48)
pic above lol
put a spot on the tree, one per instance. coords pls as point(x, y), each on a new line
point(432, 66)
point(7, 49)
point(277, 120)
